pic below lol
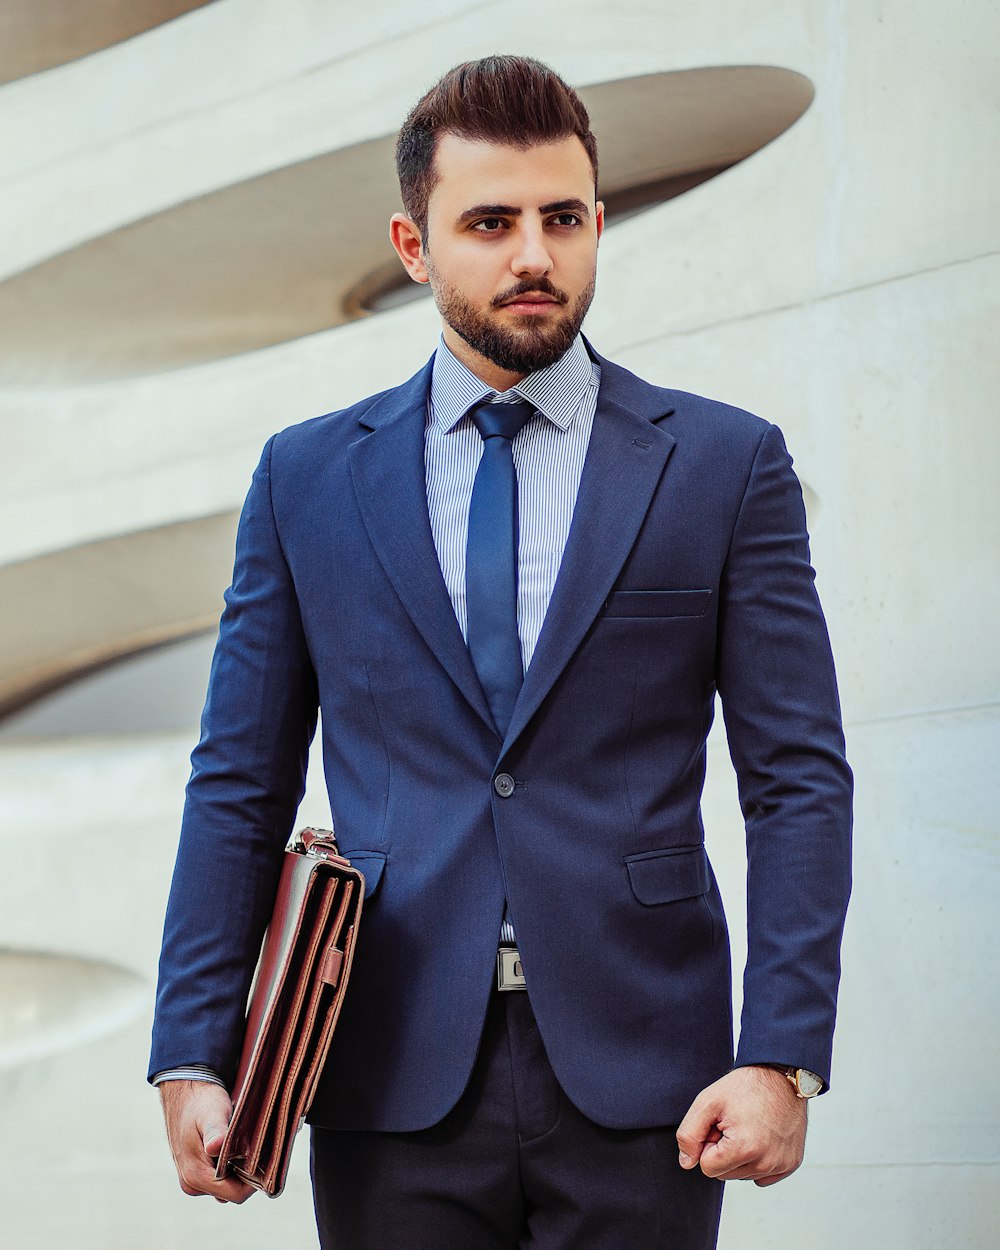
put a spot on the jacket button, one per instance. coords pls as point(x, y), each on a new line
point(503, 783)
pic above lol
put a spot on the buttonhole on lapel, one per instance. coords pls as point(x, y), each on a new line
point(636, 442)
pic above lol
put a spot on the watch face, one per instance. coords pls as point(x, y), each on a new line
point(809, 1083)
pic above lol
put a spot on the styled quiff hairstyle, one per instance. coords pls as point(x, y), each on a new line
point(511, 100)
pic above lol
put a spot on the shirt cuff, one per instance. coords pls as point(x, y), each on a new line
point(190, 1072)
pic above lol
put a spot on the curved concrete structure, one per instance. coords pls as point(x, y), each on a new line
point(843, 281)
point(35, 37)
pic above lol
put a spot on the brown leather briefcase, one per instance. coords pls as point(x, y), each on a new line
point(294, 1004)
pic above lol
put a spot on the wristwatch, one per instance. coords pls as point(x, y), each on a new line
point(805, 1083)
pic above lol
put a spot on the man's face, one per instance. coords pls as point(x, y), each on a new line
point(511, 251)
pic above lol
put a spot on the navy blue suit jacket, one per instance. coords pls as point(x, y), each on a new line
point(686, 572)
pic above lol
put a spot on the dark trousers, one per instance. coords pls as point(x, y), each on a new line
point(514, 1164)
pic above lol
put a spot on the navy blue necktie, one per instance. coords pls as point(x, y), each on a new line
point(491, 560)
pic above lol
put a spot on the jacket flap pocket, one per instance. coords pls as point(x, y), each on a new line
point(370, 864)
point(657, 603)
point(666, 876)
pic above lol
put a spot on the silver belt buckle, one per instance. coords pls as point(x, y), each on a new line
point(510, 974)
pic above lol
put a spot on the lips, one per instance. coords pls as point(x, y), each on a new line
point(536, 297)
point(530, 299)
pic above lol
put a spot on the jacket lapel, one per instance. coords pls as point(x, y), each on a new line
point(387, 471)
point(625, 461)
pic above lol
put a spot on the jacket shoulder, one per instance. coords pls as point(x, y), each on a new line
point(700, 409)
point(328, 429)
point(686, 414)
point(320, 438)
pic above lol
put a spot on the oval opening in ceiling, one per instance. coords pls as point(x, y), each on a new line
point(305, 248)
point(154, 690)
point(40, 34)
point(128, 593)
point(51, 1003)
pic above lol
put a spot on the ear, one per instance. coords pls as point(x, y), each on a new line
point(599, 218)
point(404, 235)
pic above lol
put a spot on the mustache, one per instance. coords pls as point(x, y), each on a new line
point(540, 286)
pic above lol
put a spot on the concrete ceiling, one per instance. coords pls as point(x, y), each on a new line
point(38, 34)
point(294, 251)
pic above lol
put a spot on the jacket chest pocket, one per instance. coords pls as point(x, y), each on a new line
point(656, 604)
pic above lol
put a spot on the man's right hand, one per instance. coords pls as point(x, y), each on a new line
point(197, 1114)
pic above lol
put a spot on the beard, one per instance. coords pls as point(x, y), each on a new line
point(518, 349)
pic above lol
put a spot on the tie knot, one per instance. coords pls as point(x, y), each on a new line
point(500, 420)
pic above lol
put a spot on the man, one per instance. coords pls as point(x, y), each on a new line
point(514, 585)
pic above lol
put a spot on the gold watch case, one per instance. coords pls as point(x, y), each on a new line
point(805, 1083)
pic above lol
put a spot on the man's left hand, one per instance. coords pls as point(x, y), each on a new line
point(748, 1126)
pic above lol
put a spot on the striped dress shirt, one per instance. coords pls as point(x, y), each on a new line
point(548, 458)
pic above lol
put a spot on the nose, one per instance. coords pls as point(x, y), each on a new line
point(531, 255)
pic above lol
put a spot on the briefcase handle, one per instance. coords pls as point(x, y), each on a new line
point(321, 843)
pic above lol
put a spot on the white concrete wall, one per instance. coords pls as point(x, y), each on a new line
point(843, 282)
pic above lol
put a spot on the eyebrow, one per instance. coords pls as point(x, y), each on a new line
point(509, 210)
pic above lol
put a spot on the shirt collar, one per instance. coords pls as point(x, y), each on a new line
point(557, 391)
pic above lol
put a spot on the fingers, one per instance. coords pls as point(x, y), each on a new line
point(697, 1130)
point(199, 1183)
point(754, 1155)
point(196, 1173)
point(749, 1163)
point(772, 1180)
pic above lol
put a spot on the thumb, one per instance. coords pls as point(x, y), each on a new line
point(213, 1112)
point(213, 1131)
point(696, 1130)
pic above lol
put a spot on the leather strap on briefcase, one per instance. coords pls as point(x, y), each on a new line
point(294, 1004)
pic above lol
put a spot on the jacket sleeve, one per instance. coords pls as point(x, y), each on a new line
point(779, 696)
point(247, 779)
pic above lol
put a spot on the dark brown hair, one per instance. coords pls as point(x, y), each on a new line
point(513, 100)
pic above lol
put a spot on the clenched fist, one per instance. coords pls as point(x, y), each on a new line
point(748, 1126)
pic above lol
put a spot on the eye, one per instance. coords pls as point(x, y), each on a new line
point(489, 225)
point(566, 219)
